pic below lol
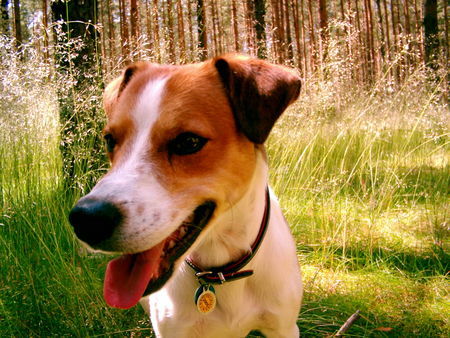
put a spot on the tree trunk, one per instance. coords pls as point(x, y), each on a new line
point(134, 28)
point(124, 32)
point(181, 36)
point(283, 40)
point(215, 32)
point(103, 37)
point(295, 11)
point(447, 53)
point(171, 31)
point(369, 39)
point(201, 28)
point(381, 27)
point(446, 38)
point(45, 28)
point(17, 24)
point(388, 40)
point(287, 25)
point(430, 24)
point(148, 24)
point(248, 10)
point(234, 19)
point(157, 44)
point(407, 17)
point(323, 16)
point(111, 34)
point(82, 152)
point(276, 39)
point(306, 59)
point(4, 27)
point(418, 24)
point(311, 34)
point(191, 31)
point(260, 27)
point(362, 64)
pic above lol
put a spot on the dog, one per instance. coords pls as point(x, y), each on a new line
point(204, 245)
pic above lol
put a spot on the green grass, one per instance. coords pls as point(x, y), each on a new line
point(364, 184)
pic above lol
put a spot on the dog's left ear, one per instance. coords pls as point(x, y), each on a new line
point(258, 91)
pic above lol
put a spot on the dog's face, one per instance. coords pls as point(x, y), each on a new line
point(182, 141)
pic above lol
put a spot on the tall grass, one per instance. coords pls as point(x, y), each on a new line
point(366, 188)
point(363, 177)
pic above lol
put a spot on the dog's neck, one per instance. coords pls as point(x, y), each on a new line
point(235, 231)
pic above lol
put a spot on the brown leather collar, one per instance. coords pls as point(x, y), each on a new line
point(232, 271)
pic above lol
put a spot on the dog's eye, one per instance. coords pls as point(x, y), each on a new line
point(186, 144)
point(110, 142)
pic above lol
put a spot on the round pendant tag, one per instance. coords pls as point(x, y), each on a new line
point(205, 298)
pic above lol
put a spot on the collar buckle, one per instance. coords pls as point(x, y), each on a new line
point(200, 274)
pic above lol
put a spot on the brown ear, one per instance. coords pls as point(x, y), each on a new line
point(258, 91)
point(116, 87)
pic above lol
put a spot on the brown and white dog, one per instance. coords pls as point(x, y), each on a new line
point(186, 197)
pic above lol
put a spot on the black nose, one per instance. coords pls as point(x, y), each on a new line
point(94, 220)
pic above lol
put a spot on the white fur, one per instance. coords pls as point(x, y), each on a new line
point(132, 185)
point(268, 301)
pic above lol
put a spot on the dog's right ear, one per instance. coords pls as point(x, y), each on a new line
point(117, 86)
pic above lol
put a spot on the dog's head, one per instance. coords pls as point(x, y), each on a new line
point(181, 140)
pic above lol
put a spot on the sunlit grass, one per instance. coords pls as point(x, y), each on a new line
point(367, 198)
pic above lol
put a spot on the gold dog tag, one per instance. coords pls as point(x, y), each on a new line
point(205, 298)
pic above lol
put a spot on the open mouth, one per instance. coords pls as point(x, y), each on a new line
point(133, 276)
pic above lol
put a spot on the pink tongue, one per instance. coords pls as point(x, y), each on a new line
point(127, 277)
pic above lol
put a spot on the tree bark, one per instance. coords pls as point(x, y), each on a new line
point(103, 37)
point(260, 27)
point(388, 40)
point(4, 28)
point(17, 24)
point(296, 19)
point(306, 59)
point(249, 19)
point(134, 27)
point(191, 31)
point(287, 25)
point(311, 34)
point(148, 24)
point(201, 29)
point(419, 29)
point(124, 32)
point(323, 17)
point(234, 19)
point(111, 33)
point(215, 32)
point(157, 44)
point(430, 24)
point(446, 38)
point(181, 36)
point(171, 31)
point(45, 28)
point(276, 35)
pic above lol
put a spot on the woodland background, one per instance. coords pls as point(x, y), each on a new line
point(360, 162)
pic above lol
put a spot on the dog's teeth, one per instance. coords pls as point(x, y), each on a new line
point(190, 219)
point(183, 231)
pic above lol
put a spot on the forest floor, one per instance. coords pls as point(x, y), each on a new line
point(364, 183)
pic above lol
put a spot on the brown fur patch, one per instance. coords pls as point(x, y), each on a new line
point(195, 101)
